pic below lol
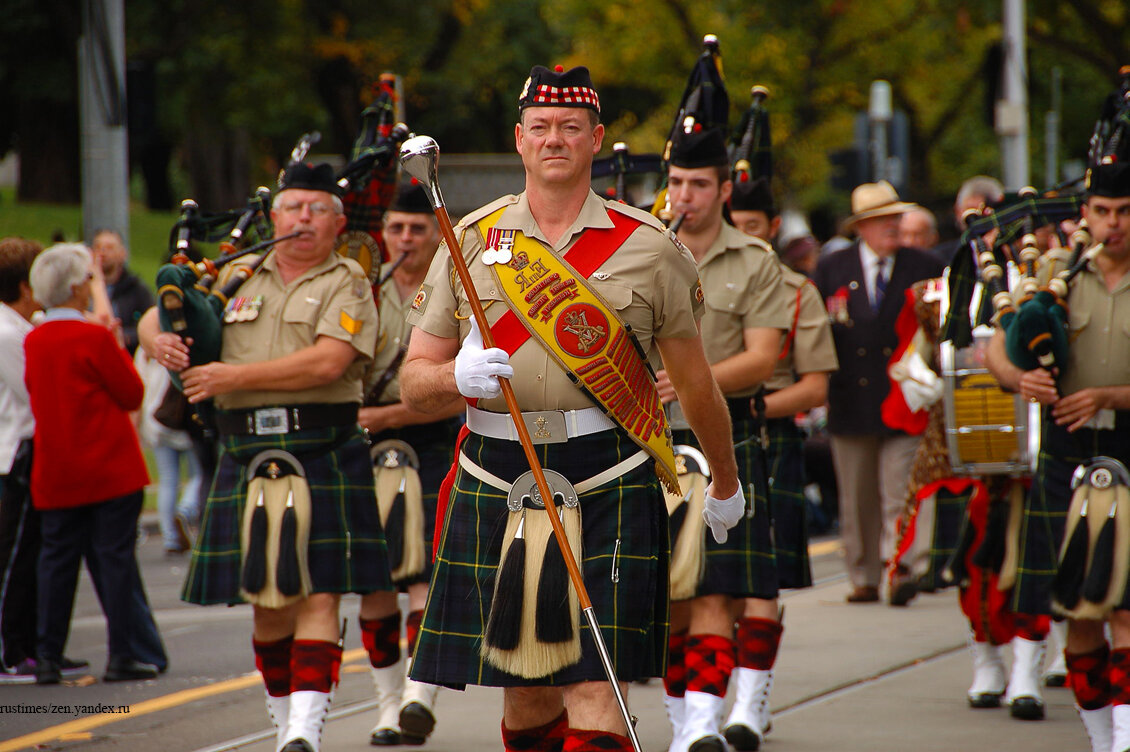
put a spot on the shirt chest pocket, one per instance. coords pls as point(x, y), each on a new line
point(1079, 323)
point(725, 300)
point(302, 312)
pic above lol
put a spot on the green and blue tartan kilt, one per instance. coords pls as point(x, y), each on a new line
point(346, 551)
point(1045, 508)
point(624, 564)
point(788, 507)
point(744, 566)
point(949, 513)
point(435, 446)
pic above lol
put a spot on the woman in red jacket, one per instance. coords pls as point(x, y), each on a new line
point(89, 475)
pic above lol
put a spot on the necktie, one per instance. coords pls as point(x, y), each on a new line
point(880, 284)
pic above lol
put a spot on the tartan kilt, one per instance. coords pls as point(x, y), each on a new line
point(1045, 508)
point(949, 513)
point(346, 551)
point(628, 588)
point(788, 507)
point(744, 566)
point(434, 444)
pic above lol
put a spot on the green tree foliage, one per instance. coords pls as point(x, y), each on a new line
point(237, 83)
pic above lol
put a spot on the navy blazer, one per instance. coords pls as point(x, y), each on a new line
point(864, 339)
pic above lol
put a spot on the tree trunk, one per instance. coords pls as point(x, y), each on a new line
point(47, 138)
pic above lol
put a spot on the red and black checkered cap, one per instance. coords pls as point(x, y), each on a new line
point(559, 88)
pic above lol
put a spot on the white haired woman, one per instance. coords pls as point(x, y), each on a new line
point(88, 476)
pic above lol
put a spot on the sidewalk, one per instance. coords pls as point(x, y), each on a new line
point(849, 678)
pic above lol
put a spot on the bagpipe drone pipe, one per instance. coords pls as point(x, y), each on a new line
point(1035, 325)
point(1034, 318)
point(370, 180)
point(704, 105)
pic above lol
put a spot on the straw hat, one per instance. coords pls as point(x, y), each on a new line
point(876, 200)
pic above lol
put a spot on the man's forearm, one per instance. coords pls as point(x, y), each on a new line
point(400, 414)
point(809, 392)
point(996, 360)
point(709, 418)
point(428, 386)
point(742, 371)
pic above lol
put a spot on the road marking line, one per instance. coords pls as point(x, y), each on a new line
point(164, 702)
point(157, 704)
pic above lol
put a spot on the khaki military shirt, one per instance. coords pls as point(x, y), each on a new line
point(811, 349)
point(741, 280)
point(1099, 333)
point(650, 280)
point(393, 334)
point(272, 319)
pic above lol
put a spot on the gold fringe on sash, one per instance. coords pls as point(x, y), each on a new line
point(271, 496)
point(511, 642)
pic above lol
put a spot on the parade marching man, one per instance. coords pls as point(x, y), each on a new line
point(1086, 409)
point(798, 384)
point(742, 329)
point(412, 452)
point(296, 342)
point(578, 292)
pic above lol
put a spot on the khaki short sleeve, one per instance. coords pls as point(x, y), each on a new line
point(433, 309)
point(678, 301)
point(813, 349)
point(767, 297)
point(349, 314)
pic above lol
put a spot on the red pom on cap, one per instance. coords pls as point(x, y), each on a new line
point(559, 68)
point(414, 181)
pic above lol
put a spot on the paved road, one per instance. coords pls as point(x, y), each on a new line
point(849, 677)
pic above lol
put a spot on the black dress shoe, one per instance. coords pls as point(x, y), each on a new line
point(1026, 709)
point(863, 594)
point(385, 737)
point(47, 671)
point(297, 745)
point(416, 723)
point(127, 669)
point(903, 589)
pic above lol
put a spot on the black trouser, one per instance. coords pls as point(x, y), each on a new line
point(19, 556)
point(105, 533)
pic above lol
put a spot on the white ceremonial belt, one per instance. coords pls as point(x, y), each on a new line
point(612, 473)
point(544, 426)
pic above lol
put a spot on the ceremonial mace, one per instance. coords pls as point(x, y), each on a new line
point(420, 155)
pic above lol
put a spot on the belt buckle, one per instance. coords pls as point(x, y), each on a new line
point(271, 420)
point(546, 426)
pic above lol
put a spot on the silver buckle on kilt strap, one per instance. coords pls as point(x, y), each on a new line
point(268, 420)
point(525, 490)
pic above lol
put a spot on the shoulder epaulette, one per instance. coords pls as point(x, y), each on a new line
point(474, 216)
point(637, 214)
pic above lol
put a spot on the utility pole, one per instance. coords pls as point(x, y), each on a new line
point(1012, 108)
point(102, 106)
point(1051, 131)
point(879, 114)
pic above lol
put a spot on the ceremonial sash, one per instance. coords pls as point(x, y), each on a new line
point(550, 300)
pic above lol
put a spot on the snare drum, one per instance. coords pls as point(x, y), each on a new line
point(988, 430)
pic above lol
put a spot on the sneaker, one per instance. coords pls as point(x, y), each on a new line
point(72, 669)
point(22, 673)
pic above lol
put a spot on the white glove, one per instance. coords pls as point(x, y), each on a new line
point(920, 386)
point(477, 370)
point(723, 514)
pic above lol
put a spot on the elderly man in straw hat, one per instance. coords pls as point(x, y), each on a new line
point(864, 287)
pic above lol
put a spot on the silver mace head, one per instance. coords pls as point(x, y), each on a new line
point(420, 156)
